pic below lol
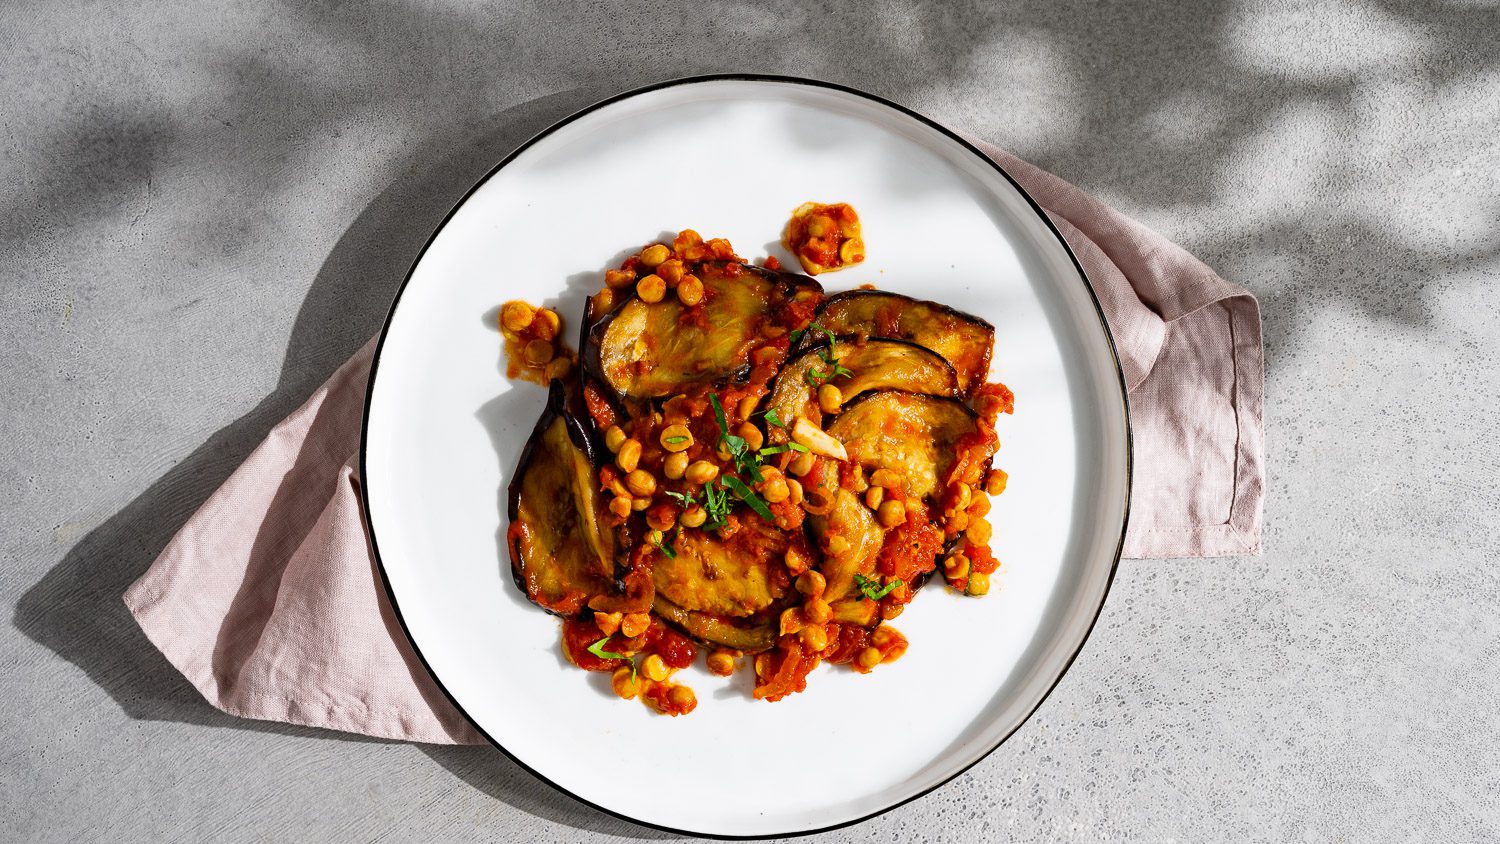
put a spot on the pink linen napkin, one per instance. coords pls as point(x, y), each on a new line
point(268, 602)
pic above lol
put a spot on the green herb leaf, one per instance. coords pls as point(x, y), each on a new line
point(675, 440)
point(840, 371)
point(872, 588)
point(597, 649)
point(719, 415)
point(716, 505)
point(772, 418)
point(683, 498)
point(797, 447)
point(748, 496)
point(796, 335)
point(665, 549)
point(828, 354)
point(813, 376)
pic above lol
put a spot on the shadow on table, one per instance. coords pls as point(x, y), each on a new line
point(76, 610)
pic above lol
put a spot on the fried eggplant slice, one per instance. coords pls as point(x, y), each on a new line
point(649, 350)
point(965, 341)
point(726, 589)
point(561, 553)
point(874, 364)
point(920, 437)
point(848, 517)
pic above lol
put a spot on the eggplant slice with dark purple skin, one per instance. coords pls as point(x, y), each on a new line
point(914, 435)
point(876, 364)
point(561, 552)
point(964, 340)
point(726, 590)
point(648, 350)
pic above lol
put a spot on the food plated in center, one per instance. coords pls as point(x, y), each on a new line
point(744, 466)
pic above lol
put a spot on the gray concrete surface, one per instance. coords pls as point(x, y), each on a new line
point(207, 207)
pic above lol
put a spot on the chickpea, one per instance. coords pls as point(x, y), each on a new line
point(602, 302)
point(671, 271)
point(690, 291)
point(818, 611)
point(791, 620)
point(830, 398)
point(797, 562)
point(956, 567)
point(747, 406)
point(675, 465)
point(891, 513)
point(654, 254)
point(634, 624)
point(802, 463)
point(682, 697)
point(994, 483)
point(886, 478)
point(619, 279)
point(676, 438)
point(628, 456)
point(539, 352)
point(608, 622)
point(751, 434)
point(763, 665)
point(979, 532)
point(701, 472)
point(793, 491)
point(980, 506)
point(889, 609)
point(873, 496)
point(517, 316)
point(558, 369)
point(837, 545)
point(979, 583)
point(814, 638)
point(651, 289)
point(958, 495)
point(620, 505)
point(654, 667)
point(774, 488)
point(853, 251)
point(662, 517)
point(614, 437)
point(639, 504)
point(640, 483)
point(811, 583)
point(625, 683)
point(547, 324)
point(693, 516)
point(721, 662)
point(869, 658)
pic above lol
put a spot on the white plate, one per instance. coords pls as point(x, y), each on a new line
point(731, 157)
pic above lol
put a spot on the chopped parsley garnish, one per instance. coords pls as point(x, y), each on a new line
point(675, 440)
point(747, 495)
point(683, 498)
point(597, 649)
point(771, 450)
point(796, 335)
point(716, 504)
point(829, 354)
point(739, 450)
point(665, 548)
point(772, 418)
point(872, 588)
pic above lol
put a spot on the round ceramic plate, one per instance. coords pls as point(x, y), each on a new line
point(731, 157)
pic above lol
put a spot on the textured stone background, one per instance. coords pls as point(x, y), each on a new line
point(206, 207)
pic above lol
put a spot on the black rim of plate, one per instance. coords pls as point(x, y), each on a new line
point(786, 80)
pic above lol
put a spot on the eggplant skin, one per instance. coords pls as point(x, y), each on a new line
point(964, 340)
point(750, 635)
point(728, 589)
point(649, 350)
point(561, 553)
point(876, 364)
point(915, 435)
